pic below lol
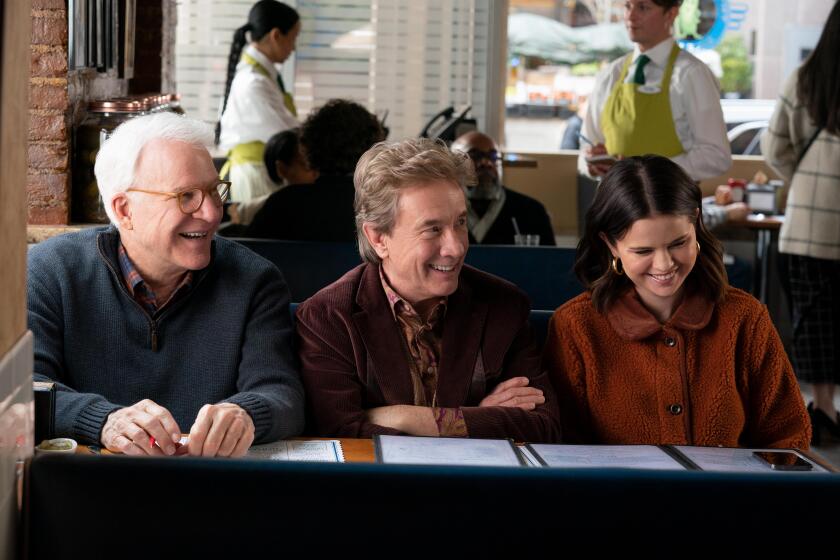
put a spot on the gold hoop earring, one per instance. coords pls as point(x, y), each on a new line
point(698, 246)
point(615, 266)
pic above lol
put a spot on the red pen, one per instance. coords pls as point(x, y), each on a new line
point(151, 441)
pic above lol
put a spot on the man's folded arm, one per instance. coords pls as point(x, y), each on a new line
point(541, 424)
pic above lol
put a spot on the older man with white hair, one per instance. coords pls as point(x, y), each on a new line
point(154, 325)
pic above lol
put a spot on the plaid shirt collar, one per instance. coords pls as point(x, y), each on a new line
point(138, 288)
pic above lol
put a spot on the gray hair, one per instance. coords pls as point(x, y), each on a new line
point(385, 169)
point(116, 161)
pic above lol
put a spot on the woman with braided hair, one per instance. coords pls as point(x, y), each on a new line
point(256, 105)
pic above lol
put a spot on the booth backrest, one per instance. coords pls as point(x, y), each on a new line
point(544, 273)
point(538, 318)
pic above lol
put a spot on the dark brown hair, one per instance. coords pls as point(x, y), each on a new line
point(817, 84)
point(668, 4)
point(637, 188)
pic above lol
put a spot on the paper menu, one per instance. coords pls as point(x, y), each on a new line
point(323, 451)
point(605, 456)
point(410, 450)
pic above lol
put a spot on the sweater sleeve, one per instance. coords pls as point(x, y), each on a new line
point(777, 416)
point(333, 388)
point(565, 365)
point(268, 385)
point(80, 416)
point(539, 425)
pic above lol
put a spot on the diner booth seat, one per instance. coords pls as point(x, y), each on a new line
point(98, 506)
point(538, 318)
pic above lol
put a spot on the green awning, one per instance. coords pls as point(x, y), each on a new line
point(533, 35)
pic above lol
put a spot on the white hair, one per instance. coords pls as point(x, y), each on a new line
point(116, 161)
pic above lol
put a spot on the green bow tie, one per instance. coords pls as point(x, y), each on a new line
point(639, 76)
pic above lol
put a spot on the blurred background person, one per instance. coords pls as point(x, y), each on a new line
point(659, 99)
point(285, 164)
point(333, 138)
point(496, 213)
point(284, 159)
point(256, 104)
point(802, 144)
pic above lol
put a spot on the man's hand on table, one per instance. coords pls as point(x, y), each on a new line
point(221, 430)
point(129, 430)
point(514, 393)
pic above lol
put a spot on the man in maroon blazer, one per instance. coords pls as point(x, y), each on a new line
point(413, 341)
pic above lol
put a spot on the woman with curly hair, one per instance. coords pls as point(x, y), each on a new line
point(332, 139)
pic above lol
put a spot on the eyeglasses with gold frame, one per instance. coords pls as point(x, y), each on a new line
point(190, 200)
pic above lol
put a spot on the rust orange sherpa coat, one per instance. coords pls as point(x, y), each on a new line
point(712, 375)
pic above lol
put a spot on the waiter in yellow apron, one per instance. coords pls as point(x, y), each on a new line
point(658, 99)
point(256, 105)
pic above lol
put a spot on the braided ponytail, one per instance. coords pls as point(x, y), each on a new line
point(239, 42)
point(264, 16)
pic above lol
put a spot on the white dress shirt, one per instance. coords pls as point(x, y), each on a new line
point(255, 108)
point(695, 107)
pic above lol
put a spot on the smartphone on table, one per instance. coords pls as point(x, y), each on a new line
point(783, 460)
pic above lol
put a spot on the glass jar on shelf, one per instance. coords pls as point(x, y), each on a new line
point(102, 118)
point(175, 103)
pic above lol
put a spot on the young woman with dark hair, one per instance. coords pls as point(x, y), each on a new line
point(802, 144)
point(256, 105)
point(660, 349)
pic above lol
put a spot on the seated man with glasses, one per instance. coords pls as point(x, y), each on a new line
point(496, 213)
point(153, 327)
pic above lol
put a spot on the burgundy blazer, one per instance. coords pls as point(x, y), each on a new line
point(353, 358)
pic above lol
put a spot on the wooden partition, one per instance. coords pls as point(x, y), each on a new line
point(15, 345)
point(554, 183)
point(14, 118)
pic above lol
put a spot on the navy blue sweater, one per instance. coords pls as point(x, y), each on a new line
point(228, 339)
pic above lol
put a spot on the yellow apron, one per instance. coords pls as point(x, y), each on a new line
point(288, 100)
point(636, 123)
point(252, 152)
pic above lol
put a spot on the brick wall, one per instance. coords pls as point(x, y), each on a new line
point(58, 97)
point(48, 174)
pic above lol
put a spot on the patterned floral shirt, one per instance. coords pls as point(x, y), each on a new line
point(424, 338)
point(141, 292)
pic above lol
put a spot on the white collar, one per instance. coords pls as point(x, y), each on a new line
point(263, 60)
point(658, 54)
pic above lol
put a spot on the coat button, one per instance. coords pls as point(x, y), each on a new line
point(675, 409)
point(670, 342)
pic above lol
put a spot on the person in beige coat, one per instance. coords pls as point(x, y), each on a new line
point(802, 144)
